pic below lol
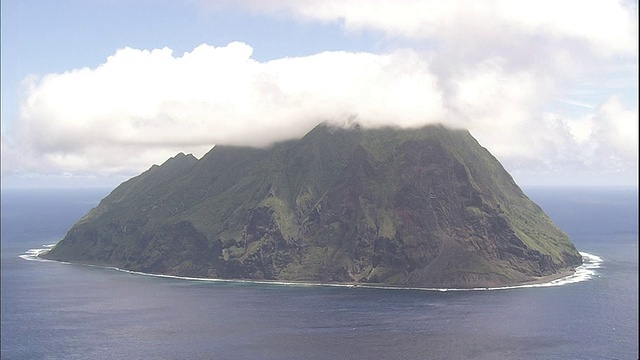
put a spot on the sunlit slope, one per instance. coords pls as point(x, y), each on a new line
point(418, 207)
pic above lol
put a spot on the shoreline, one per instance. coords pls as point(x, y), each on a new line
point(568, 276)
point(550, 278)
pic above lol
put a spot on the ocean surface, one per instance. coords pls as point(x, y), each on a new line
point(52, 310)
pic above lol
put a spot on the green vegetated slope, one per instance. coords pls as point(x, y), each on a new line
point(420, 207)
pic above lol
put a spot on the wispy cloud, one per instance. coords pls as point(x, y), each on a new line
point(577, 103)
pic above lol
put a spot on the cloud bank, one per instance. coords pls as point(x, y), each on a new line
point(493, 68)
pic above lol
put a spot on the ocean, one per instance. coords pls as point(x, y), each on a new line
point(53, 310)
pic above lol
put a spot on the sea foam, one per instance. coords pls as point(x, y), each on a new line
point(34, 254)
point(584, 272)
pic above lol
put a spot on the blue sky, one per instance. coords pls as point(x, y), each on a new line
point(96, 91)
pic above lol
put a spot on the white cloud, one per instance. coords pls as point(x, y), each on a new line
point(607, 27)
point(616, 130)
point(602, 143)
point(493, 67)
point(153, 104)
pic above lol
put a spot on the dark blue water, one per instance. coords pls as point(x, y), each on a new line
point(56, 311)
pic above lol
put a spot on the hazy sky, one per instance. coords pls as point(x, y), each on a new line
point(97, 91)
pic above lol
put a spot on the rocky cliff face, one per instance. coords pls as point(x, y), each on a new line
point(426, 207)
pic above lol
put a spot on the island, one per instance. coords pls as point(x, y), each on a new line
point(425, 207)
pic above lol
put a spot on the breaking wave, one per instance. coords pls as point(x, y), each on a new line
point(34, 254)
point(584, 272)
